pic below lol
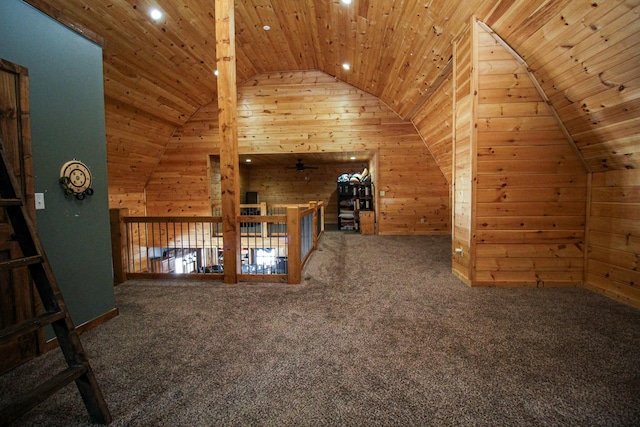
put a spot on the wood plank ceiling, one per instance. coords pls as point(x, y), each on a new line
point(159, 73)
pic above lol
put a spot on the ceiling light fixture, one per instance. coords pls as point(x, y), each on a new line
point(215, 72)
point(248, 160)
point(352, 157)
point(346, 1)
point(346, 66)
point(266, 28)
point(155, 14)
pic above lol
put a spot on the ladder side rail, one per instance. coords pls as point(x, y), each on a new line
point(52, 300)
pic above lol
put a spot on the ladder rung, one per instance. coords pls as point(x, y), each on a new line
point(56, 312)
point(20, 262)
point(20, 406)
point(10, 202)
point(29, 325)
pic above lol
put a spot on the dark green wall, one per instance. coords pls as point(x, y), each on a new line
point(67, 122)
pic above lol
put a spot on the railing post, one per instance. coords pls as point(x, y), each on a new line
point(265, 226)
point(119, 244)
point(314, 221)
point(294, 251)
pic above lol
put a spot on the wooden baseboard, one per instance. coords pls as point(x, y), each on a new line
point(462, 277)
point(611, 294)
point(85, 327)
point(547, 284)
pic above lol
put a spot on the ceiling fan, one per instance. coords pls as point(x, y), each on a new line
point(300, 166)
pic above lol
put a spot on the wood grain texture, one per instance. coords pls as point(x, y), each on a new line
point(523, 188)
point(280, 105)
point(434, 122)
point(585, 55)
point(462, 159)
point(278, 185)
point(228, 128)
point(613, 263)
point(542, 209)
point(18, 298)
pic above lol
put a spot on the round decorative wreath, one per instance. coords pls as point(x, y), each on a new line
point(75, 179)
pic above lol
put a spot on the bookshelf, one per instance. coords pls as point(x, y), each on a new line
point(353, 197)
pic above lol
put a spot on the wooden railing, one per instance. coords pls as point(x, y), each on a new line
point(275, 243)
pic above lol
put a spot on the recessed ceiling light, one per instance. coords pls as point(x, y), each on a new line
point(352, 157)
point(155, 14)
point(215, 72)
point(346, 1)
point(346, 66)
point(248, 160)
point(266, 28)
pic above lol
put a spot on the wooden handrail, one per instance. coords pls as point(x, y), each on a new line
point(172, 219)
point(163, 234)
point(262, 218)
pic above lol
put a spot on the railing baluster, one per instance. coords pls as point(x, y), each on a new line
point(139, 246)
point(265, 237)
point(146, 243)
point(130, 254)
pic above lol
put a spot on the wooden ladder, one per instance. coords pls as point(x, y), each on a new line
point(55, 313)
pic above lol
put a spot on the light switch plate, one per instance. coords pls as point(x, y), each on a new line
point(39, 201)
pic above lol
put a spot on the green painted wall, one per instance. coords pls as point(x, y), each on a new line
point(67, 122)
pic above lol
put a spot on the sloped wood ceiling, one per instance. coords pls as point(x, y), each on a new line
point(158, 74)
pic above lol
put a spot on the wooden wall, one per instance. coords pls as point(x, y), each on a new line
point(281, 184)
point(135, 201)
point(434, 123)
point(309, 112)
point(277, 184)
point(180, 184)
point(531, 185)
point(416, 199)
point(613, 263)
point(585, 55)
point(135, 142)
point(215, 185)
point(463, 160)
point(528, 185)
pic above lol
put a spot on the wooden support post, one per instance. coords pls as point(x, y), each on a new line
point(227, 117)
point(294, 262)
point(119, 244)
point(314, 224)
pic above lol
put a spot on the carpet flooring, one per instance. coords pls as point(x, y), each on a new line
point(380, 333)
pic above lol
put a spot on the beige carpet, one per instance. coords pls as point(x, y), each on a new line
point(379, 333)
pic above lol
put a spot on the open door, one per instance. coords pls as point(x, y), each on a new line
point(17, 295)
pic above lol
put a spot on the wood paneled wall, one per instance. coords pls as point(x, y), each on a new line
point(416, 199)
point(613, 263)
point(528, 185)
point(531, 185)
point(215, 186)
point(135, 142)
point(135, 201)
point(586, 56)
point(180, 184)
point(277, 184)
point(434, 123)
point(309, 112)
point(463, 159)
